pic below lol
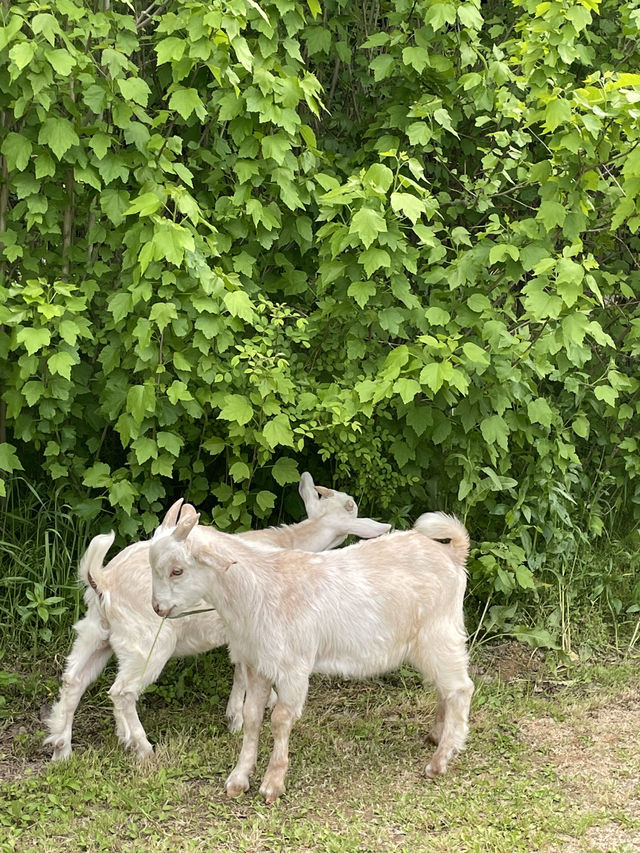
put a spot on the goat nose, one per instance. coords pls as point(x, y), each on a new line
point(156, 606)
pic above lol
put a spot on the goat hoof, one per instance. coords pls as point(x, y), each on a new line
point(434, 769)
point(143, 755)
point(236, 790)
point(141, 750)
point(271, 798)
point(440, 761)
point(61, 753)
point(234, 723)
point(235, 787)
point(271, 791)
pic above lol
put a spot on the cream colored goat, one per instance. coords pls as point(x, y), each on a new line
point(121, 621)
point(357, 612)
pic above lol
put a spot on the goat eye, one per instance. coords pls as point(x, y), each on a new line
point(175, 572)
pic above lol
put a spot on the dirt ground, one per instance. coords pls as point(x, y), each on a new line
point(595, 749)
point(596, 753)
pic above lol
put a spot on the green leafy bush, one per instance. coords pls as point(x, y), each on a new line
point(394, 243)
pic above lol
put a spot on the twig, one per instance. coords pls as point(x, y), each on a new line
point(334, 81)
point(142, 22)
point(67, 226)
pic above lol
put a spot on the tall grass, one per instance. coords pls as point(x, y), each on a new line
point(40, 544)
point(586, 602)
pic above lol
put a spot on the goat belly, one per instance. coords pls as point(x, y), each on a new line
point(365, 663)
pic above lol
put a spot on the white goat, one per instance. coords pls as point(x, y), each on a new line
point(356, 612)
point(121, 621)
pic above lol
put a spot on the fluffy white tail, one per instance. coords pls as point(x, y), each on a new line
point(439, 525)
point(91, 562)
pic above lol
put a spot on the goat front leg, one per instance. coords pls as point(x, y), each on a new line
point(136, 671)
point(291, 698)
point(257, 693)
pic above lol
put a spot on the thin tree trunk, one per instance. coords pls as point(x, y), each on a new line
point(67, 225)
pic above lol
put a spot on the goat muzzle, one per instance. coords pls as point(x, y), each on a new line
point(161, 611)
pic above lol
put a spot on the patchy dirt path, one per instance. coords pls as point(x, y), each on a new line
point(588, 738)
point(596, 754)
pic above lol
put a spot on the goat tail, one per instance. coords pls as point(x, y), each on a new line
point(91, 562)
point(439, 525)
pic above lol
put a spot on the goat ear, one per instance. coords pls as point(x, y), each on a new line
point(173, 513)
point(202, 554)
point(308, 492)
point(186, 523)
point(324, 492)
point(367, 528)
point(188, 510)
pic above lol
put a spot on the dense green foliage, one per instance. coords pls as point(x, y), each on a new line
point(391, 242)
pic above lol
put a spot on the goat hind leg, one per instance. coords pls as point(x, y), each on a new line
point(88, 657)
point(233, 712)
point(449, 672)
point(436, 730)
point(235, 704)
point(455, 689)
